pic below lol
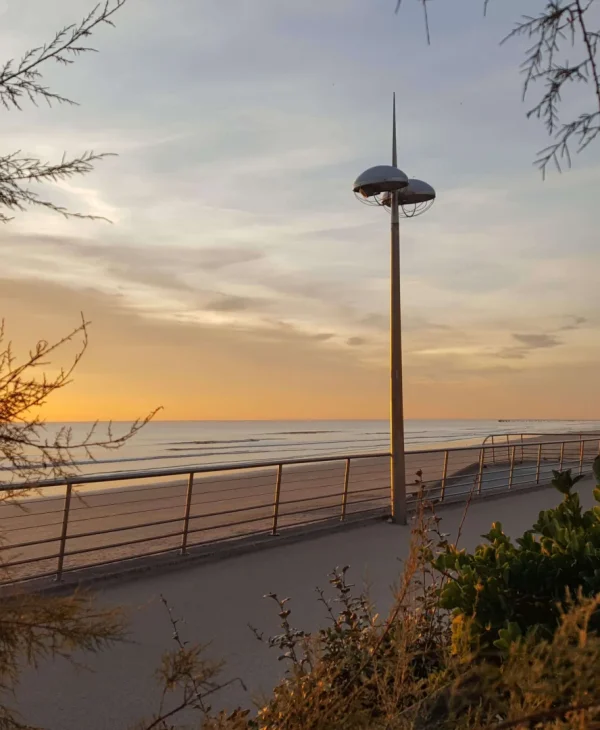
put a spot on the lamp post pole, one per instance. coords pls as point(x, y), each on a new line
point(389, 187)
point(397, 467)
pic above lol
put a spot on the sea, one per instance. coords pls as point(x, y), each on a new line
point(165, 444)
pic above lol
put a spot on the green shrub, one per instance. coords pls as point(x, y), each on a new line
point(504, 589)
point(365, 673)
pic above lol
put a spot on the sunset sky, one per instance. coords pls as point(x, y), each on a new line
point(240, 278)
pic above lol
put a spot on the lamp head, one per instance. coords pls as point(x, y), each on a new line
point(414, 199)
point(378, 181)
point(417, 191)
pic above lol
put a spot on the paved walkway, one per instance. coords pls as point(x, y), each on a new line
point(219, 599)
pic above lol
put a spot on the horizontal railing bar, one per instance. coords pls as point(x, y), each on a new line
point(110, 515)
point(151, 509)
point(33, 576)
point(129, 501)
point(123, 528)
point(534, 434)
point(27, 561)
point(126, 543)
point(266, 531)
point(87, 566)
point(335, 496)
point(385, 488)
point(22, 527)
point(78, 480)
point(163, 551)
point(4, 546)
point(268, 519)
point(331, 507)
point(377, 508)
point(329, 518)
point(529, 444)
point(169, 549)
point(198, 503)
point(181, 484)
point(112, 561)
point(451, 495)
point(487, 484)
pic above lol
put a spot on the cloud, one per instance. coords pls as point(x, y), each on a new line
point(231, 303)
point(356, 341)
point(214, 259)
point(575, 324)
point(528, 344)
point(513, 353)
point(536, 341)
point(376, 321)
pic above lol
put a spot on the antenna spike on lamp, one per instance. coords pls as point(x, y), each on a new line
point(394, 146)
point(378, 183)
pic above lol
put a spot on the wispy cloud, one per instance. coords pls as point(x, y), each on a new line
point(537, 341)
point(227, 303)
point(574, 324)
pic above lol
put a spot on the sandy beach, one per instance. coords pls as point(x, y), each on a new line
point(110, 524)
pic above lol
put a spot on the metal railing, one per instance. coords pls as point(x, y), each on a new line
point(522, 437)
point(72, 524)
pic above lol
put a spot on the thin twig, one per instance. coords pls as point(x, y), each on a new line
point(545, 715)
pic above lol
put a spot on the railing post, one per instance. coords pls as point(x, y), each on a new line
point(562, 456)
point(276, 503)
point(581, 448)
point(508, 447)
point(512, 467)
point(522, 452)
point(444, 476)
point(186, 514)
point(493, 451)
point(539, 461)
point(480, 472)
point(345, 493)
point(63, 532)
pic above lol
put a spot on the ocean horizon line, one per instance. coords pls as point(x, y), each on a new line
point(324, 420)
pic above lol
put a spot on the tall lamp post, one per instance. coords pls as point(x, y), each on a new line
point(389, 187)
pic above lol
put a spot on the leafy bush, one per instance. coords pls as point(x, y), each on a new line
point(361, 676)
point(506, 589)
point(407, 671)
point(359, 669)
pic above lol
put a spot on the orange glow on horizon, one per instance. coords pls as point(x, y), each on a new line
point(134, 365)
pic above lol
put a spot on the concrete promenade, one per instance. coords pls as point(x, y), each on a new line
point(219, 599)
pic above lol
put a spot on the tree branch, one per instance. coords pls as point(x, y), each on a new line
point(25, 78)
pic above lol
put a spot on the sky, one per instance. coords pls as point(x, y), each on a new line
point(239, 278)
